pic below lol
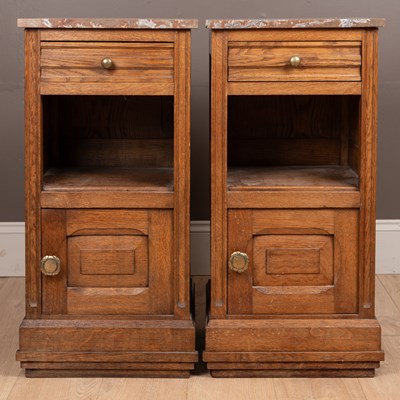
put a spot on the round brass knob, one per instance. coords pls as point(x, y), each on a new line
point(295, 61)
point(50, 265)
point(106, 63)
point(238, 261)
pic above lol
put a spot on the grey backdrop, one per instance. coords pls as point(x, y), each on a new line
point(11, 80)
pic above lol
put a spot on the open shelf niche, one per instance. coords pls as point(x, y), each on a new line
point(108, 143)
point(293, 142)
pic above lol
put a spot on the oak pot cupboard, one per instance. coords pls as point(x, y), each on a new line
point(107, 198)
point(293, 150)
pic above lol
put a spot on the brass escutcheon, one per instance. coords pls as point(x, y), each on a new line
point(238, 261)
point(50, 265)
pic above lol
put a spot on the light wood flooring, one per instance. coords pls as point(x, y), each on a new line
point(14, 385)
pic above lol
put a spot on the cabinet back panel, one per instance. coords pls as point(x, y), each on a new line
point(289, 130)
point(118, 153)
point(110, 131)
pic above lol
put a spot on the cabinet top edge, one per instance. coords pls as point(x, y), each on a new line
point(295, 23)
point(107, 23)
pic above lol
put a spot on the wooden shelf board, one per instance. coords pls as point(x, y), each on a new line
point(113, 179)
point(333, 177)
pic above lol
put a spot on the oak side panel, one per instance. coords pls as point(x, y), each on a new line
point(368, 127)
point(54, 242)
point(182, 173)
point(33, 171)
point(218, 148)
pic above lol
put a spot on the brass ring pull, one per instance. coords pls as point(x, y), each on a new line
point(238, 261)
point(295, 61)
point(50, 265)
point(106, 63)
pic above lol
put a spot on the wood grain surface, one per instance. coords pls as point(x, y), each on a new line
point(295, 181)
point(107, 186)
point(109, 179)
point(270, 61)
point(292, 178)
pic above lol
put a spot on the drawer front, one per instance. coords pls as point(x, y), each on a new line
point(130, 62)
point(294, 61)
point(299, 262)
point(112, 262)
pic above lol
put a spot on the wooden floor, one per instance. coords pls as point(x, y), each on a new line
point(14, 385)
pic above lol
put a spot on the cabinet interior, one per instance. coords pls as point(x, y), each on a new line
point(116, 142)
point(293, 141)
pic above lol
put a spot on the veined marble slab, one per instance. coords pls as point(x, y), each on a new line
point(295, 23)
point(107, 23)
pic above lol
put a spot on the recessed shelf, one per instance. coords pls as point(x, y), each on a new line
point(332, 177)
point(122, 179)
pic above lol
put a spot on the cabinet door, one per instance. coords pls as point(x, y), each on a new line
point(300, 261)
point(112, 262)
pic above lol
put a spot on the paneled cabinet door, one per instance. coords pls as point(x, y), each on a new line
point(292, 261)
point(111, 262)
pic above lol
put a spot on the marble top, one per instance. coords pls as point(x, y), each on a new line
point(107, 23)
point(295, 23)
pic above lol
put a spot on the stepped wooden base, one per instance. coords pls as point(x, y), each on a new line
point(294, 373)
point(293, 348)
point(106, 348)
point(98, 373)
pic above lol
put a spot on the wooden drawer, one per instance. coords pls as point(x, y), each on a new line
point(271, 61)
point(148, 66)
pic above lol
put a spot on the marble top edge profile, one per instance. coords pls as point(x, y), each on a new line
point(295, 23)
point(107, 23)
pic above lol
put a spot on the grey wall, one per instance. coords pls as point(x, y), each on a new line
point(11, 80)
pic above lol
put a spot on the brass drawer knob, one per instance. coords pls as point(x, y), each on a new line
point(50, 265)
point(238, 261)
point(295, 61)
point(106, 63)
